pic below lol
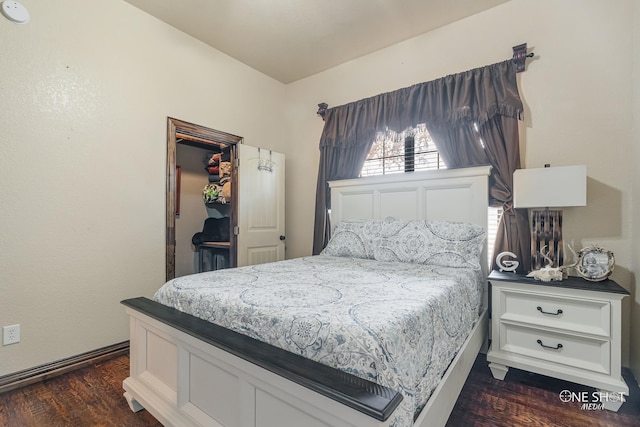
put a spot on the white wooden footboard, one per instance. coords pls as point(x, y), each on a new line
point(182, 380)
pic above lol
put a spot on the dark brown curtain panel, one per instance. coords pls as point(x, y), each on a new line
point(471, 116)
point(500, 137)
point(348, 135)
point(493, 142)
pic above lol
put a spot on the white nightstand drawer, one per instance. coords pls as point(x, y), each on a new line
point(570, 314)
point(583, 353)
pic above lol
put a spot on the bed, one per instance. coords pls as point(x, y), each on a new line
point(338, 339)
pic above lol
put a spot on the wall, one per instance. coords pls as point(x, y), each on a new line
point(577, 98)
point(635, 160)
point(85, 92)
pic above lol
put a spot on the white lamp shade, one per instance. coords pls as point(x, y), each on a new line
point(562, 186)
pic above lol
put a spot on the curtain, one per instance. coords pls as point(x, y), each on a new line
point(347, 137)
point(494, 142)
point(472, 118)
point(500, 137)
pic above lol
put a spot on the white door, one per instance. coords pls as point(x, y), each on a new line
point(260, 198)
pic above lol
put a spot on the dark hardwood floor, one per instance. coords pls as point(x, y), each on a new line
point(526, 399)
point(92, 396)
point(89, 396)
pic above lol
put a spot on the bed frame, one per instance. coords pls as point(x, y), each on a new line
point(188, 372)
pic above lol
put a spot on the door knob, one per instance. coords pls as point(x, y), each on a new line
point(282, 237)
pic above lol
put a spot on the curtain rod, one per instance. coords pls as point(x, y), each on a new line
point(519, 57)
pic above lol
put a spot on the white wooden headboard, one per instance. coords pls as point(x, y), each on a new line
point(446, 195)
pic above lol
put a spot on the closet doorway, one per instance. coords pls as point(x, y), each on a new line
point(181, 134)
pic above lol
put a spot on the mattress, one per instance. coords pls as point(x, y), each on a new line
point(394, 323)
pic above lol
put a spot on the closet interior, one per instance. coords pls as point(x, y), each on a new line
point(201, 200)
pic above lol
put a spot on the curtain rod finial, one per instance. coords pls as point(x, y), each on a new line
point(322, 109)
point(520, 55)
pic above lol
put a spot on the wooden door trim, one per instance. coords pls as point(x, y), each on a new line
point(194, 135)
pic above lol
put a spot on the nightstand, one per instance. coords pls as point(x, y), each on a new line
point(569, 329)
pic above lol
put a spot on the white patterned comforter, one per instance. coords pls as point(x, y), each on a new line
point(397, 324)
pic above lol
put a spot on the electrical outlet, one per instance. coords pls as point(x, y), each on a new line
point(10, 334)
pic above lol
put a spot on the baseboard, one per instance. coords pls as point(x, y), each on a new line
point(60, 367)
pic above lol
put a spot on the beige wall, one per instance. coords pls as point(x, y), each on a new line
point(634, 358)
point(84, 99)
point(85, 91)
point(577, 95)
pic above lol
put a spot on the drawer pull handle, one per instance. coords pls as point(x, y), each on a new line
point(557, 347)
point(548, 312)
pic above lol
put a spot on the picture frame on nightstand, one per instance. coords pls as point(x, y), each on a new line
point(595, 263)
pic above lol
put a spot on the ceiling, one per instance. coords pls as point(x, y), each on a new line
point(292, 39)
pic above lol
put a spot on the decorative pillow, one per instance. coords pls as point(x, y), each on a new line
point(442, 243)
point(354, 238)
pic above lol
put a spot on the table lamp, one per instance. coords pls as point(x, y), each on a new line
point(545, 188)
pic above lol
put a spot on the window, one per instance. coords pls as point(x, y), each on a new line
point(492, 230)
point(408, 151)
point(414, 150)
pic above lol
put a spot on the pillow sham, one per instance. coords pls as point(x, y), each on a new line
point(441, 243)
point(354, 238)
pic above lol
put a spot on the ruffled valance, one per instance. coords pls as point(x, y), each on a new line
point(476, 95)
